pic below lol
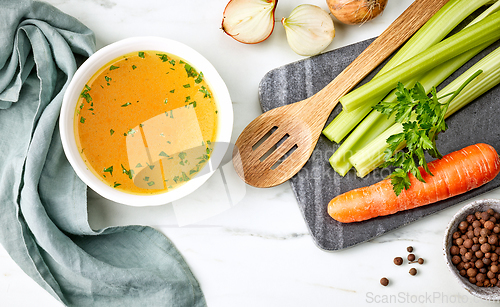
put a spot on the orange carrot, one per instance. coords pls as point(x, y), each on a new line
point(456, 173)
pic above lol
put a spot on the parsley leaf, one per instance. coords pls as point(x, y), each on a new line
point(191, 72)
point(129, 173)
point(422, 118)
point(199, 79)
point(85, 94)
point(205, 91)
point(109, 170)
point(163, 57)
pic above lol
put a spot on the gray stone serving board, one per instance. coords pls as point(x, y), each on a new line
point(317, 183)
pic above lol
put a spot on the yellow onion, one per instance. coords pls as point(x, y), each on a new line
point(309, 29)
point(249, 21)
point(356, 11)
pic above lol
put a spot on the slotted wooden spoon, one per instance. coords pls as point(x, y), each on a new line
point(300, 124)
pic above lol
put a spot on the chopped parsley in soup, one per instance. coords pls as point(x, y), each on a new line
point(146, 122)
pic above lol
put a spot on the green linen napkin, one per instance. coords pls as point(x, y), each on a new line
point(43, 211)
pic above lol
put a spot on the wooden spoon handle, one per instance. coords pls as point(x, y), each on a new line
point(391, 39)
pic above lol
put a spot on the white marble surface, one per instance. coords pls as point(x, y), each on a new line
point(257, 251)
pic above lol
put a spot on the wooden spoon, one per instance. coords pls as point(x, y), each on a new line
point(299, 125)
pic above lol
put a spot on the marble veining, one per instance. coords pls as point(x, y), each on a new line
point(262, 235)
point(108, 4)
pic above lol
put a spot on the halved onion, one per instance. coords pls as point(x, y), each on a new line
point(249, 21)
point(309, 29)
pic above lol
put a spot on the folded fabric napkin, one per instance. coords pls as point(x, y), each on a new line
point(43, 211)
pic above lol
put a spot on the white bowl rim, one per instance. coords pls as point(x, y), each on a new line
point(472, 289)
point(102, 57)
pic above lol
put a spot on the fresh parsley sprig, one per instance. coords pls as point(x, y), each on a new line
point(422, 118)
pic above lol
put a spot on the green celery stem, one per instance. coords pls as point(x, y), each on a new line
point(344, 122)
point(372, 155)
point(486, 30)
point(433, 31)
point(376, 123)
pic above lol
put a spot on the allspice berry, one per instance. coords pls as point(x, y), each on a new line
point(455, 250)
point(398, 261)
point(475, 248)
point(480, 277)
point(468, 243)
point(463, 225)
point(471, 272)
point(489, 225)
point(384, 281)
point(485, 247)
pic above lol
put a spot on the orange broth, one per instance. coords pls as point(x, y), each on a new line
point(146, 122)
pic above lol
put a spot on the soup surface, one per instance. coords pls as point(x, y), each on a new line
point(146, 122)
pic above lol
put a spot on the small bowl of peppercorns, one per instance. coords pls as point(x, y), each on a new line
point(472, 248)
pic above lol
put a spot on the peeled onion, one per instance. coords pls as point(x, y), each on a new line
point(309, 29)
point(356, 11)
point(249, 21)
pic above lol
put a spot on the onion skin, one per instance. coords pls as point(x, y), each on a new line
point(356, 11)
point(249, 21)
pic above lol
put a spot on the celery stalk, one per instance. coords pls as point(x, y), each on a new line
point(492, 9)
point(344, 122)
point(372, 155)
point(375, 123)
point(434, 30)
point(486, 30)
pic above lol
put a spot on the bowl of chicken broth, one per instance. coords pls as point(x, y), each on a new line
point(146, 121)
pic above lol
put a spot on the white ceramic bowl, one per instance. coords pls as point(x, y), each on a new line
point(486, 293)
point(103, 57)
